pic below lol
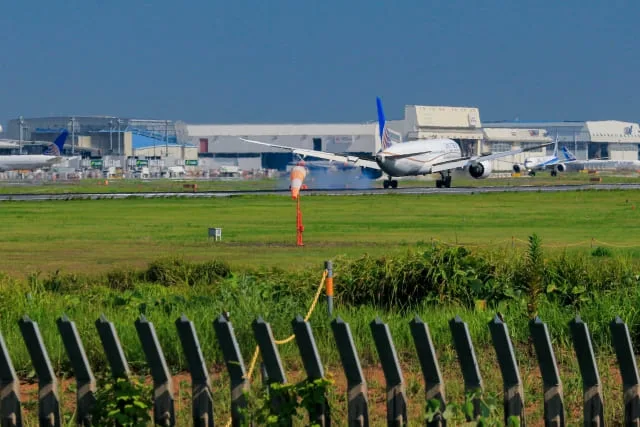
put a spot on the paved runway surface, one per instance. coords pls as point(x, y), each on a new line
point(341, 192)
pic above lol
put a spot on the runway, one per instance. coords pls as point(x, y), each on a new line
point(322, 192)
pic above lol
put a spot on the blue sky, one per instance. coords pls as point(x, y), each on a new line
point(319, 61)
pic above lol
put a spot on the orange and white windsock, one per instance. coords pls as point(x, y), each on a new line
point(298, 173)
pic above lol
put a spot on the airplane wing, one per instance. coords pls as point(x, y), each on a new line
point(466, 161)
point(355, 160)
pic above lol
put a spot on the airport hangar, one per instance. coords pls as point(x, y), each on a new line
point(616, 140)
point(215, 145)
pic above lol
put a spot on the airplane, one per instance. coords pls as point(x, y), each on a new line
point(51, 156)
point(410, 158)
point(553, 162)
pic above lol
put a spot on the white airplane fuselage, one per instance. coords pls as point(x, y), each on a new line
point(431, 151)
point(531, 163)
point(26, 162)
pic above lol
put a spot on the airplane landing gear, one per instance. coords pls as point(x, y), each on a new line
point(445, 181)
point(554, 173)
point(390, 183)
point(532, 173)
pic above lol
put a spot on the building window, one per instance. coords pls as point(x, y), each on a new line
point(499, 147)
point(317, 144)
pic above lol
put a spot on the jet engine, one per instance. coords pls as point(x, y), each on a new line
point(370, 173)
point(519, 168)
point(560, 167)
point(480, 170)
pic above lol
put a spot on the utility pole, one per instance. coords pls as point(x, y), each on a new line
point(166, 137)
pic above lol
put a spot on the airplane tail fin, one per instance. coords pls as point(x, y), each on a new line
point(55, 149)
point(568, 155)
point(385, 140)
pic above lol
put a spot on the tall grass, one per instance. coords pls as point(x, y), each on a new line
point(435, 283)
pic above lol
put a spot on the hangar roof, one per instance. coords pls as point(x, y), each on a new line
point(516, 135)
point(613, 131)
point(320, 129)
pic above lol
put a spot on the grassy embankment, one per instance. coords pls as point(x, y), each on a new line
point(77, 236)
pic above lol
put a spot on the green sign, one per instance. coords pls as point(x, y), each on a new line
point(142, 163)
point(96, 164)
point(191, 163)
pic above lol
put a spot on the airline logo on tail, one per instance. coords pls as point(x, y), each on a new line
point(568, 155)
point(55, 149)
point(385, 140)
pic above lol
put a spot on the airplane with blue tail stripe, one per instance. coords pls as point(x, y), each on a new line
point(556, 162)
point(51, 156)
point(409, 158)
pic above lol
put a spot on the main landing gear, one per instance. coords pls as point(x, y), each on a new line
point(554, 172)
point(390, 183)
point(445, 181)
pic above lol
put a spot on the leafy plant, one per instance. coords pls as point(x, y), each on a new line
point(601, 252)
point(278, 404)
point(534, 274)
point(126, 402)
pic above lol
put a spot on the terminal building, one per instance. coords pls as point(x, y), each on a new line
point(209, 147)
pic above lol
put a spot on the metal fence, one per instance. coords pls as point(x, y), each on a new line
point(358, 414)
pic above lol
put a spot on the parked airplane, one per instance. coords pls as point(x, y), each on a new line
point(411, 158)
point(553, 162)
point(50, 157)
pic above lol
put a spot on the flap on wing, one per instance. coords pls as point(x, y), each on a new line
point(450, 164)
point(357, 161)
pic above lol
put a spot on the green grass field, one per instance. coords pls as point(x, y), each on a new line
point(87, 236)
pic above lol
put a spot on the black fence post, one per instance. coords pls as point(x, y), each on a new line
point(628, 370)
point(313, 367)
point(273, 364)
point(85, 381)
point(434, 385)
point(513, 390)
point(235, 366)
point(591, 385)
point(396, 394)
point(10, 409)
point(163, 408)
point(468, 362)
point(112, 348)
point(358, 406)
point(553, 393)
point(48, 401)
point(201, 396)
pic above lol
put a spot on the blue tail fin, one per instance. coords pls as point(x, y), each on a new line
point(385, 141)
point(568, 155)
point(55, 149)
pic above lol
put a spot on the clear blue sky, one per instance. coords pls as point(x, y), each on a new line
point(319, 61)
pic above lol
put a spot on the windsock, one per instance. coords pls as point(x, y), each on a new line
point(298, 173)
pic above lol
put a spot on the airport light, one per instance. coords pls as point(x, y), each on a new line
point(111, 136)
